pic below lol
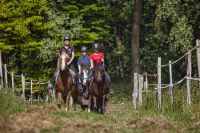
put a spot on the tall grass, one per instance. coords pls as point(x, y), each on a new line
point(184, 115)
point(9, 104)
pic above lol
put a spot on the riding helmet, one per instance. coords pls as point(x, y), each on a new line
point(83, 48)
point(67, 38)
point(96, 45)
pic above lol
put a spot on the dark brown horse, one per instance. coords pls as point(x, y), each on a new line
point(98, 89)
point(64, 82)
point(79, 90)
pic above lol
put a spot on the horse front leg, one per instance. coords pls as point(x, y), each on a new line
point(68, 100)
point(95, 103)
point(103, 107)
point(89, 103)
point(74, 103)
point(58, 99)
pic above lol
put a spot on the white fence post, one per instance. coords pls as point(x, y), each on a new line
point(140, 77)
point(135, 90)
point(6, 76)
point(170, 82)
point(1, 72)
point(31, 91)
point(23, 86)
point(13, 84)
point(198, 59)
point(159, 83)
point(146, 82)
point(189, 74)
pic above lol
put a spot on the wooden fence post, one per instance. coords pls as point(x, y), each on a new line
point(13, 84)
point(170, 82)
point(23, 86)
point(159, 83)
point(135, 90)
point(39, 91)
point(6, 76)
point(31, 91)
point(140, 77)
point(189, 74)
point(1, 72)
point(146, 82)
point(198, 59)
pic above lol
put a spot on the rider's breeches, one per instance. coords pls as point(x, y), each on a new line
point(54, 76)
point(73, 72)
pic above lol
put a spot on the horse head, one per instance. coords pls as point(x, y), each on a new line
point(99, 72)
point(63, 60)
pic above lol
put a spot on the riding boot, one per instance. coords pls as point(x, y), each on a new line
point(55, 74)
point(73, 73)
point(111, 91)
point(90, 74)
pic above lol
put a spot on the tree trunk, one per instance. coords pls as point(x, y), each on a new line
point(118, 42)
point(135, 37)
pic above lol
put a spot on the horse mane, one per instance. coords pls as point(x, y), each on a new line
point(62, 51)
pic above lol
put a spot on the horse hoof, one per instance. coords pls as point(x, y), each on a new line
point(66, 110)
point(88, 110)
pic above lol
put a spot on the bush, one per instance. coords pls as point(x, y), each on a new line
point(122, 93)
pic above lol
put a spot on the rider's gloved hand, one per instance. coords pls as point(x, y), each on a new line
point(91, 67)
point(79, 74)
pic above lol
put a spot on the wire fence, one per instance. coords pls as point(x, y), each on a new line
point(141, 84)
point(21, 86)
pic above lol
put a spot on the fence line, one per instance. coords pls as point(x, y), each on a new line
point(4, 81)
point(137, 82)
point(194, 48)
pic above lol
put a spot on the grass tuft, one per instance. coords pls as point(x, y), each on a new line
point(9, 104)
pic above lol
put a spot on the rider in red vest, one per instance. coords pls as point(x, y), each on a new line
point(98, 57)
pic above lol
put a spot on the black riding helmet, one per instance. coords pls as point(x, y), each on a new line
point(66, 38)
point(83, 48)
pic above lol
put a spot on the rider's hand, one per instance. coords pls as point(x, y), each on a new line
point(91, 67)
point(68, 63)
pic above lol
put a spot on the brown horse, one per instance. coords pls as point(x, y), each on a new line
point(64, 82)
point(98, 89)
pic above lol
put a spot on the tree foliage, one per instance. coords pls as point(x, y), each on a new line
point(31, 32)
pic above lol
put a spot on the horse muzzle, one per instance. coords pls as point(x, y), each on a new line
point(99, 79)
